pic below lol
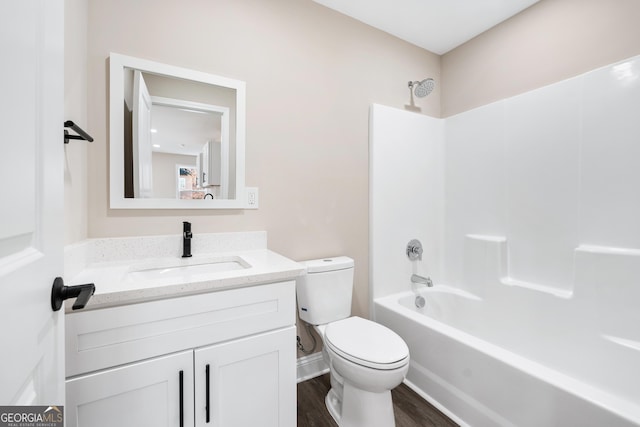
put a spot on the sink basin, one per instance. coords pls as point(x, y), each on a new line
point(202, 268)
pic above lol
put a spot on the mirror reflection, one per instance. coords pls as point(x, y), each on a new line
point(177, 137)
point(177, 125)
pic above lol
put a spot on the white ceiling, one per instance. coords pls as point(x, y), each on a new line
point(435, 25)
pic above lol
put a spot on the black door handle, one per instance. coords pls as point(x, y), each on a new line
point(60, 292)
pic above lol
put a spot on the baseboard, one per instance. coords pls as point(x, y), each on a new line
point(311, 366)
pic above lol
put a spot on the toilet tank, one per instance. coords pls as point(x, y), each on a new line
point(324, 292)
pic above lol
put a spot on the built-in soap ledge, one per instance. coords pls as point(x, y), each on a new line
point(633, 345)
point(608, 250)
point(610, 278)
point(486, 264)
point(139, 269)
point(607, 276)
point(537, 287)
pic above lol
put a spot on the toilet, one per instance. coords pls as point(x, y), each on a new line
point(366, 360)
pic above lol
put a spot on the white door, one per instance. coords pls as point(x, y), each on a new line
point(251, 382)
point(156, 392)
point(31, 216)
point(142, 160)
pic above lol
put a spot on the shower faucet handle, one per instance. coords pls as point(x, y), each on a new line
point(414, 250)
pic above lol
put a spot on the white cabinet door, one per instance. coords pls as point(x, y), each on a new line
point(148, 393)
point(252, 382)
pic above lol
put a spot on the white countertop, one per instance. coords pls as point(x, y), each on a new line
point(115, 285)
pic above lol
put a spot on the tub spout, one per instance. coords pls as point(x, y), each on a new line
point(415, 278)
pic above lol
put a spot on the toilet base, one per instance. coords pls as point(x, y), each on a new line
point(334, 405)
point(360, 408)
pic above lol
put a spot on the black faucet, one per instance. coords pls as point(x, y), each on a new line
point(186, 239)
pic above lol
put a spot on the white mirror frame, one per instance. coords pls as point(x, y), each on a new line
point(117, 63)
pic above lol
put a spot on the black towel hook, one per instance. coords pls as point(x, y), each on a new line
point(81, 134)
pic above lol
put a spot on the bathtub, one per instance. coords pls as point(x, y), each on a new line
point(499, 364)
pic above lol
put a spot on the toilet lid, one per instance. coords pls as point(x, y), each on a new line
point(366, 343)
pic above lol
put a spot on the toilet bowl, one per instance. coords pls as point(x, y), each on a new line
point(366, 360)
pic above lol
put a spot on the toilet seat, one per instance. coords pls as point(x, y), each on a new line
point(366, 343)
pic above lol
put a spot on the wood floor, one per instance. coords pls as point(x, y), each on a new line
point(409, 408)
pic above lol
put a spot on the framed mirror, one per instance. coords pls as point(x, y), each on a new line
point(177, 137)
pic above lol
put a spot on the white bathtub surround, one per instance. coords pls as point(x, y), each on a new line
point(406, 194)
point(533, 319)
point(115, 266)
point(567, 340)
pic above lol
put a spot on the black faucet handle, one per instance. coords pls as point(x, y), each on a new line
point(186, 239)
point(186, 230)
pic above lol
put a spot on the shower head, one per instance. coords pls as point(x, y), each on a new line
point(423, 88)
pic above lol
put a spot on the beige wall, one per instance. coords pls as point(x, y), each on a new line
point(75, 109)
point(311, 76)
point(551, 41)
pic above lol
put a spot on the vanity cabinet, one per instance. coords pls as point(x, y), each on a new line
point(221, 359)
point(246, 387)
point(139, 394)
